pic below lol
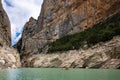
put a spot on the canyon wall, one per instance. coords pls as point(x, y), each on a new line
point(9, 57)
point(102, 55)
point(5, 33)
point(63, 17)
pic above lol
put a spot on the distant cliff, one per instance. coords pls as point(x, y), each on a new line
point(5, 33)
point(63, 17)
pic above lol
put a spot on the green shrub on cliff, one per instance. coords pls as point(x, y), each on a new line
point(102, 31)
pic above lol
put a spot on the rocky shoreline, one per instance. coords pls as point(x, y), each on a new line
point(103, 55)
point(9, 58)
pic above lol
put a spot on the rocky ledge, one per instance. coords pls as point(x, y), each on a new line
point(103, 55)
point(9, 58)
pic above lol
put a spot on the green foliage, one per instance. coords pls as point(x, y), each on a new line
point(102, 31)
point(39, 50)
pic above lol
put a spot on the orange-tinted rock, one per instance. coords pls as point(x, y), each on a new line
point(63, 17)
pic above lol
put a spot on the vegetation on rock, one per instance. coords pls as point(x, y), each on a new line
point(100, 32)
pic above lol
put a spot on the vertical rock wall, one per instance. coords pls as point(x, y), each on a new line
point(9, 57)
point(63, 17)
point(5, 33)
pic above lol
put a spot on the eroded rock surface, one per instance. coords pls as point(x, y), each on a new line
point(103, 55)
point(9, 58)
point(5, 38)
point(63, 17)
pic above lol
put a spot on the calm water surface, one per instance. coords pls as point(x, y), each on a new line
point(59, 74)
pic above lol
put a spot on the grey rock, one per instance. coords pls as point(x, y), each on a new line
point(5, 33)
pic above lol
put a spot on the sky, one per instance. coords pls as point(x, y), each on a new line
point(19, 12)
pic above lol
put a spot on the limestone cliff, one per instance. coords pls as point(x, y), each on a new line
point(63, 17)
point(5, 33)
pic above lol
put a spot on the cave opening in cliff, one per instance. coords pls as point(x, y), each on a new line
point(19, 13)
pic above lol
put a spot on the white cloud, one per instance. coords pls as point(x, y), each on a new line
point(19, 12)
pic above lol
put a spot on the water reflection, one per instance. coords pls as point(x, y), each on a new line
point(13, 74)
point(18, 74)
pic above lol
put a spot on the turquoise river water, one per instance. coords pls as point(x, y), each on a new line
point(59, 74)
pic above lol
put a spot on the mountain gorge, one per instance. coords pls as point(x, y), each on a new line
point(62, 17)
point(59, 18)
point(63, 26)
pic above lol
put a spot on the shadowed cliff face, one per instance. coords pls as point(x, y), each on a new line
point(4, 28)
point(63, 17)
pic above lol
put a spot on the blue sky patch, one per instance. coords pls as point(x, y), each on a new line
point(8, 3)
point(19, 12)
point(17, 34)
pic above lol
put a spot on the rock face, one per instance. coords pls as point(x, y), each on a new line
point(9, 58)
point(63, 17)
point(5, 38)
point(103, 55)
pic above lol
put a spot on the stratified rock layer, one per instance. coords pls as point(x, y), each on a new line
point(63, 17)
point(5, 38)
point(103, 55)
